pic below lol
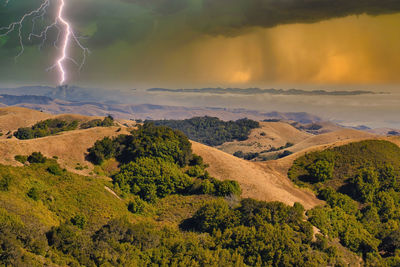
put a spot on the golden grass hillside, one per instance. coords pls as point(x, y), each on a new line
point(69, 147)
point(260, 180)
point(270, 134)
point(256, 181)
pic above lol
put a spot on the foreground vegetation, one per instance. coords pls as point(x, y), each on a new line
point(211, 131)
point(167, 210)
point(66, 219)
point(360, 183)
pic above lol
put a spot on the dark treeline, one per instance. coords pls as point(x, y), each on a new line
point(45, 128)
point(210, 130)
point(54, 126)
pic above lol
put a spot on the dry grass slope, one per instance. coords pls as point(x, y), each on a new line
point(261, 180)
point(69, 147)
point(257, 181)
point(271, 134)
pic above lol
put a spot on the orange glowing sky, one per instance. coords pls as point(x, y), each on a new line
point(352, 50)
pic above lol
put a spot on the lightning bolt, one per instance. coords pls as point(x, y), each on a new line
point(60, 24)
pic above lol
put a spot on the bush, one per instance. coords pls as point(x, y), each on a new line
point(106, 122)
point(335, 199)
point(285, 154)
point(36, 157)
point(33, 193)
point(366, 184)
point(214, 216)
point(146, 141)
point(55, 169)
point(45, 128)
point(136, 205)
point(321, 170)
point(152, 179)
point(21, 158)
point(79, 221)
point(206, 187)
point(5, 183)
point(227, 188)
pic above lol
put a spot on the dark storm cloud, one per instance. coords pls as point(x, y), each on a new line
point(134, 20)
point(227, 16)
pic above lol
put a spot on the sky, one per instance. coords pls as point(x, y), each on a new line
point(323, 44)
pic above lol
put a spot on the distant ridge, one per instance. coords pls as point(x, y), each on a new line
point(51, 103)
point(252, 91)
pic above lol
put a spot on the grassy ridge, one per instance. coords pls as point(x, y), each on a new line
point(347, 160)
point(360, 183)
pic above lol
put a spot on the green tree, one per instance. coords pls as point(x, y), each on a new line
point(366, 183)
point(152, 178)
point(36, 157)
point(321, 170)
point(214, 216)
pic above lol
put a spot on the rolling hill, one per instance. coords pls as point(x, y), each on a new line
point(55, 217)
point(259, 180)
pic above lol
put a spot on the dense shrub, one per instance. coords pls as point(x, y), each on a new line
point(79, 221)
point(16, 238)
point(246, 156)
point(136, 205)
point(320, 170)
point(152, 178)
point(335, 199)
point(215, 216)
point(5, 182)
point(37, 157)
point(55, 169)
point(45, 128)
point(366, 184)
point(211, 131)
point(226, 188)
point(21, 159)
point(33, 193)
point(146, 141)
point(349, 159)
point(266, 234)
point(106, 122)
point(102, 150)
point(362, 195)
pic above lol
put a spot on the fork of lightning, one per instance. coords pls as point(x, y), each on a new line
point(66, 36)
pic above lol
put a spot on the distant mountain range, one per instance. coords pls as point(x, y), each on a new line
point(144, 111)
point(128, 105)
point(252, 91)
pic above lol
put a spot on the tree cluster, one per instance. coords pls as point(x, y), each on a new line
point(210, 130)
point(360, 183)
point(157, 161)
point(45, 128)
point(106, 122)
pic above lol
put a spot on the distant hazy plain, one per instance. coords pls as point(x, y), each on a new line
point(376, 111)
